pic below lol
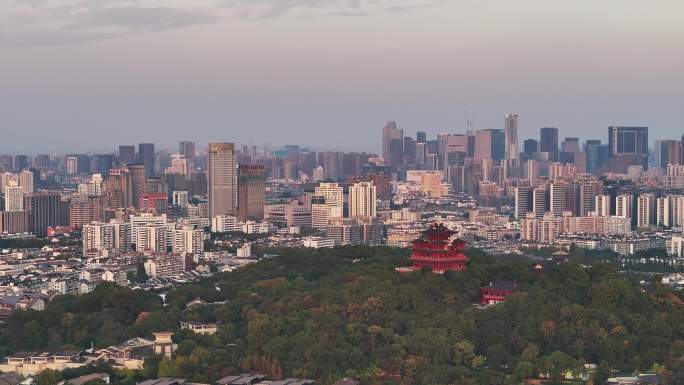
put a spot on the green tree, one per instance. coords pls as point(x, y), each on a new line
point(48, 377)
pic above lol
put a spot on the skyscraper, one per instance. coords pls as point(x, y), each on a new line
point(362, 200)
point(45, 209)
point(187, 149)
point(511, 134)
point(629, 141)
point(146, 157)
point(597, 154)
point(251, 191)
point(126, 154)
point(530, 146)
point(222, 179)
point(548, 142)
point(570, 144)
point(490, 144)
point(117, 189)
point(392, 144)
point(138, 177)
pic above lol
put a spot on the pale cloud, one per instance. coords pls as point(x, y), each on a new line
point(271, 9)
point(50, 22)
point(54, 22)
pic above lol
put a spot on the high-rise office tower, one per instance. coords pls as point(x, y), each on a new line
point(251, 191)
point(629, 141)
point(570, 144)
point(146, 157)
point(548, 142)
point(138, 177)
point(421, 137)
point(126, 154)
point(668, 152)
point(530, 146)
point(596, 154)
point(362, 200)
point(187, 149)
point(511, 134)
point(392, 144)
point(645, 210)
point(45, 209)
point(222, 179)
point(452, 149)
point(490, 144)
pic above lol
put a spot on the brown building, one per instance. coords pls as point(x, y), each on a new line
point(251, 191)
point(116, 189)
point(83, 210)
point(137, 180)
point(45, 209)
point(14, 222)
point(221, 179)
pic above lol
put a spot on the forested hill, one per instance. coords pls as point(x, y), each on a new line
point(326, 314)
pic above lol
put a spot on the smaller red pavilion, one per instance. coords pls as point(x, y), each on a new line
point(497, 291)
point(434, 250)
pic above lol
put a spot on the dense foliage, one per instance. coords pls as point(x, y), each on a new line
point(326, 314)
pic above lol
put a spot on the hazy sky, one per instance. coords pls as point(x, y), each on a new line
point(88, 75)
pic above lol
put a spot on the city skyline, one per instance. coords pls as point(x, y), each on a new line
point(118, 72)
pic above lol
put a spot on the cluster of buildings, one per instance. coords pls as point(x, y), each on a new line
point(196, 210)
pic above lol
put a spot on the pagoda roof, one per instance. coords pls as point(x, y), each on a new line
point(502, 285)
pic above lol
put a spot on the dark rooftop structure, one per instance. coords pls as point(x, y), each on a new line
point(164, 381)
point(242, 379)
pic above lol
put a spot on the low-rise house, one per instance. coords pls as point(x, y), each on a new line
point(130, 355)
point(31, 363)
point(199, 327)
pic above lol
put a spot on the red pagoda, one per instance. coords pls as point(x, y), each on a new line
point(435, 251)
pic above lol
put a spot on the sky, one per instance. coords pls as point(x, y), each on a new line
point(88, 75)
